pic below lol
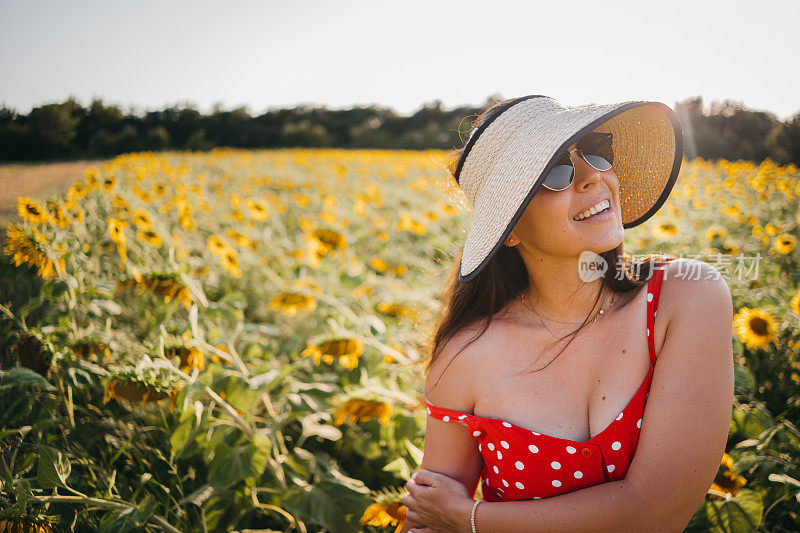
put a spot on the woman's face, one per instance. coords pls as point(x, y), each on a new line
point(547, 225)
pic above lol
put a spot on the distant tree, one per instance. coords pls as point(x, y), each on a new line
point(156, 139)
point(784, 141)
point(304, 134)
point(52, 127)
point(66, 130)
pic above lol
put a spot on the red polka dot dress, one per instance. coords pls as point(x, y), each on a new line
point(521, 464)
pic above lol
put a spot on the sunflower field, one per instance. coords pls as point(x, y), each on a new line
point(234, 340)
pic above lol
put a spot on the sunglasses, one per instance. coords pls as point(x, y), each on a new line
point(594, 148)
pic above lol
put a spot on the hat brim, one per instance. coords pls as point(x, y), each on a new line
point(648, 147)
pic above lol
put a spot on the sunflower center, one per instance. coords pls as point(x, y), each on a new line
point(758, 326)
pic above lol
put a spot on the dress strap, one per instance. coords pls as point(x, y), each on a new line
point(653, 292)
point(450, 415)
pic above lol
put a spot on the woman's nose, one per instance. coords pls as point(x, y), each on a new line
point(584, 172)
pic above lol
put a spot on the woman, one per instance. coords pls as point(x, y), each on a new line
point(565, 436)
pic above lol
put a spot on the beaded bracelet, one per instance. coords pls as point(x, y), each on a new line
point(472, 515)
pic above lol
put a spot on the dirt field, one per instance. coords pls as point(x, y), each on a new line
point(36, 181)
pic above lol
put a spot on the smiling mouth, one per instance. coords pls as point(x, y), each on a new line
point(581, 217)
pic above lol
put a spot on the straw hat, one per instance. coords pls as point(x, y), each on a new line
point(507, 157)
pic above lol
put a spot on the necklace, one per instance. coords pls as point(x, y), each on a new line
point(597, 315)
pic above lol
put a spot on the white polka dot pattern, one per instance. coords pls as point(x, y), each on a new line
point(533, 465)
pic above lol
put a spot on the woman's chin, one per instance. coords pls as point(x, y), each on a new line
point(605, 236)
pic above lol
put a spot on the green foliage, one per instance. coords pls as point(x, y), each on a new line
point(67, 130)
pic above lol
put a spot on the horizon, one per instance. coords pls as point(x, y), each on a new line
point(134, 110)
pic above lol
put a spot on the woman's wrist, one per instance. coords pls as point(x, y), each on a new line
point(473, 525)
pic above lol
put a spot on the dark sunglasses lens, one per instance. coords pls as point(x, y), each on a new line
point(597, 151)
point(561, 175)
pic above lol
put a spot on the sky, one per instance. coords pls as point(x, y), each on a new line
point(147, 55)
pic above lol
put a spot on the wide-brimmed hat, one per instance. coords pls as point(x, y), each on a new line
point(508, 155)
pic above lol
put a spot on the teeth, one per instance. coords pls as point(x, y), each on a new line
point(593, 210)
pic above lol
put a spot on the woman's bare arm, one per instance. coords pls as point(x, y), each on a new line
point(449, 449)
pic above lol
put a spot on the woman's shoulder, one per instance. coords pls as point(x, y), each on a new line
point(686, 280)
point(453, 372)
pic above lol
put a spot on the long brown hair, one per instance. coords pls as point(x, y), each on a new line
point(505, 276)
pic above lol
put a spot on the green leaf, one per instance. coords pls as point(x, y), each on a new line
point(260, 447)
point(744, 380)
point(315, 506)
point(229, 466)
point(415, 452)
point(33, 304)
point(329, 503)
point(129, 519)
point(19, 375)
point(741, 513)
point(54, 468)
point(399, 467)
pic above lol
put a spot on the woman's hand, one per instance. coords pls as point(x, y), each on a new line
point(438, 501)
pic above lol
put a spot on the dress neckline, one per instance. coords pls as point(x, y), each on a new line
point(651, 350)
point(591, 439)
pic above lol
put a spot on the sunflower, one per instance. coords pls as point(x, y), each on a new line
point(160, 189)
point(362, 290)
point(11, 524)
point(118, 202)
point(358, 410)
point(236, 215)
point(409, 224)
point(27, 248)
point(795, 304)
point(397, 310)
point(784, 243)
point(257, 209)
point(727, 248)
point(92, 176)
point(89, 348)
point(142, 220)
point(188, 223)
point(116, 229)
point(378, 264)
point(218, 245)
point(189, 357)
point(715, 232)
point(290, 303)
point(31, 352)
point(241, 239)
point(230, 262)
point(30, 211)
point(329, 239)
point(77, 191)
point(665, 230)
point(308, 284)
point(347, 351)
point(754, 327)
point(136, 391)
point(387, 510)
point(165, 285)
point(150, 237)
point(57, 215)
point(109, 182)
point(727, 480)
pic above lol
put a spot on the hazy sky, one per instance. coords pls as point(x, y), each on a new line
point(259, 54)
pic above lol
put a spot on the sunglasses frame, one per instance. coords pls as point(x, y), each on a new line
point(606, 135)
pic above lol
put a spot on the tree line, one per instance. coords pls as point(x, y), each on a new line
point(64, 131)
